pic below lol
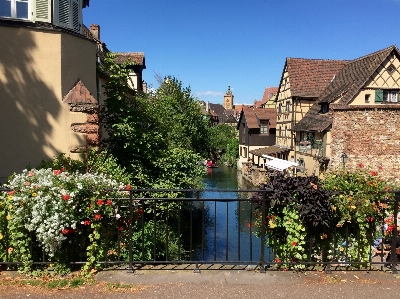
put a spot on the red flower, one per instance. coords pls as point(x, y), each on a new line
point(380, 168)
point(120, 228)
point(370, 219)
point(294, 243)
point(62, 169)
point(361, 165)
point(86, 222)
point(100, 202)
point(97, 217)
point(373, 173)
point(140, 211)
point(109, 202)
point(128, 187)
point(65, 231)
point(66, 197)
point(56, 172)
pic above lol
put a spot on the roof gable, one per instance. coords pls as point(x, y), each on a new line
point(354, 75)
point(79, 94)
point(253, 116)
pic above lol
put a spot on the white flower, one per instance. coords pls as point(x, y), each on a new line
point(117, 216)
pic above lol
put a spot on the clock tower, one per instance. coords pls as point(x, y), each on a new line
point(228, 99)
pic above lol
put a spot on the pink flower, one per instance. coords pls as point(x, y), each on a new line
point(56, 172)
point(361, 165)
point(380, 168)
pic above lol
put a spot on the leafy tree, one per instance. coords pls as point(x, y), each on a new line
point(220, 136)
point(144, 131)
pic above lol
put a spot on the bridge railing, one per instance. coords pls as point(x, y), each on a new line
point(200, 227)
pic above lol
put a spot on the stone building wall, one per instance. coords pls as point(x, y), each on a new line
point(368, 136)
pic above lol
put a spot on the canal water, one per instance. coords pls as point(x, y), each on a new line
point(229, 233)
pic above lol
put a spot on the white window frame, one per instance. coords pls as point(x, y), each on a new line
point(264, 127)
point(13, 4)
point(393, 96)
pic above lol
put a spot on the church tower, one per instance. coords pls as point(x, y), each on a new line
point(228, 99)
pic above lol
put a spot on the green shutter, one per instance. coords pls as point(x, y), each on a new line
point(378, 96)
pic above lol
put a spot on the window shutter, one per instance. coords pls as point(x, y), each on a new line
point(378, 96)
point(62, 13)
point(42, 11)
point(76, 15)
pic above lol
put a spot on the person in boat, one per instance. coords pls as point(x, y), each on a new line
point(209, 163)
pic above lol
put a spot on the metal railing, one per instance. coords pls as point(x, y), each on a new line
point(197, 226)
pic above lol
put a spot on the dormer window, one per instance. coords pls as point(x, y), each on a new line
point(324, 107)
point(390, 69)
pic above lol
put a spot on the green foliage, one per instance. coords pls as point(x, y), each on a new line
point(220, 136)
point(344, 209)
point(146, 131)
point(231, 156)
point(94, 162)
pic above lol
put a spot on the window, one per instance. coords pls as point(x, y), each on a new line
point(324, 108)
point(17, 9)
point(367, 98)
point(287, 106)
point(390, 69)
point(264, 127)
point(386, 96)
point(63, 13)
point(280, 108)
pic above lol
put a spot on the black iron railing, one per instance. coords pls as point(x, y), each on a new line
point(196, 226)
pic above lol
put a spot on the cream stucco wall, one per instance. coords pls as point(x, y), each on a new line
point(37, 69)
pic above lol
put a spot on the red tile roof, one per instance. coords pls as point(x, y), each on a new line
point(254, 115)
point(345, 85)
point(136, 57)
point(309, 77)
point(269, 92)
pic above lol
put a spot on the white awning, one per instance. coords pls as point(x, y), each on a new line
point(278, 164)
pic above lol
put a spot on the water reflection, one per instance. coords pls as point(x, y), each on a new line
point(229, 230)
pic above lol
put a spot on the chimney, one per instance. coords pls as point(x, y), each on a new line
point(95, 30)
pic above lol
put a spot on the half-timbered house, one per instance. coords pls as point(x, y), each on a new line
point(356, 116)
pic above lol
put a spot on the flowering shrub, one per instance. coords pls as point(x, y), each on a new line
point(297, 210)
point(336, 218)
point(359, 208)
point(53, 207)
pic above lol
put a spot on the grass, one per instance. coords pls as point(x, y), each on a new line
point(54, 282)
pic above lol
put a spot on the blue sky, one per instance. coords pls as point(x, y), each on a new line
point(210, 44)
